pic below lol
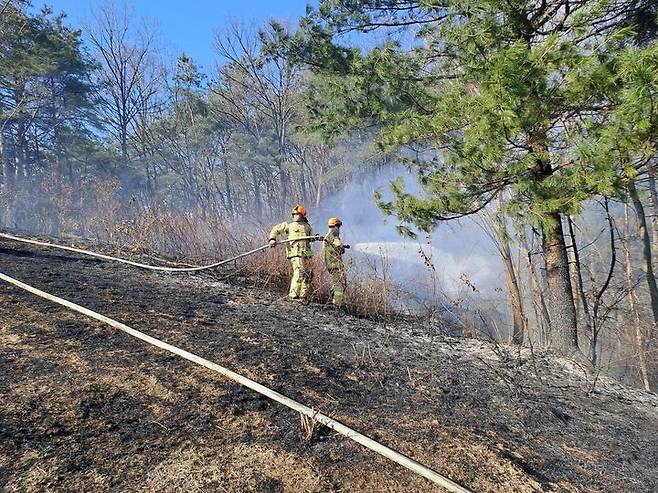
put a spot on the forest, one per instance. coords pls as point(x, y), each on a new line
point(536, 119)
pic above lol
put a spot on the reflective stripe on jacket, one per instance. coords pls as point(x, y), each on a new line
point(294, 230)
point(333, 251)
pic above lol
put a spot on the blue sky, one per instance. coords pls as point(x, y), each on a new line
point(189, 25)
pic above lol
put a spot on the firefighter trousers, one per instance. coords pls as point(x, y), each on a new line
point(338, 286)
point(301, 277)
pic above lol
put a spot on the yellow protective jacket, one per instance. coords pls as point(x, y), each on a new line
point(294, 230)
point(333, 249)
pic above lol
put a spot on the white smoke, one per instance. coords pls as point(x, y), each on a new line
point(458, 250)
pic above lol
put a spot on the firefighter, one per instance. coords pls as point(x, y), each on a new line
point(299, 252)
point(333, 249)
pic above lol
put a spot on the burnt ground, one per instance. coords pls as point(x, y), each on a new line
point(86, 407)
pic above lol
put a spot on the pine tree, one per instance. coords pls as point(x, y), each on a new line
point(44, 94)
point(502, 95)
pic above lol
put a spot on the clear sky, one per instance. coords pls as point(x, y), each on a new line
point(189, 25)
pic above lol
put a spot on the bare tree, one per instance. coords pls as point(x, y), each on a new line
point(599, 311)
point(495, 227)
point(258, 93)
point(647, 261)
point(541, 309)
point(151, 105)
point(637, 335)
point(124, 54)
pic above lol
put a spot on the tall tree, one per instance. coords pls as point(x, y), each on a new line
point(497, 92)
point(647, 254)
point(258, 91)
point(125, 54)
point(626, 136)
point(190, 141)
point(636, 332)
point(44, 91)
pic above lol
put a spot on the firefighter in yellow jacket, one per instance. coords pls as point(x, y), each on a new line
point(299, 252)
point(333, 249)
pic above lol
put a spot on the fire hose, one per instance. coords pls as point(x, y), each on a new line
point(309, 412)
point(154, 267)
point(304, 410)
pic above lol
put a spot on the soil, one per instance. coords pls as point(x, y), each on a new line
point(86, 407)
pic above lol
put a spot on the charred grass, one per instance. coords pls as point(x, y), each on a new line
point(86, 407)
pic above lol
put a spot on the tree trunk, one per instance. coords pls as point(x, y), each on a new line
point(10, 174)
point(517, 309)
point(647, 266)
point(124, 145)
point(280, 160)
point(302, 185)
point(564, 333)
point(518, 319)
point(322, 154)
point(20, 153)
point(544, 319)
point(258, 205)
point(580, 289)
point(654, 207)
point(229, 191)
point(638, 337)
point(5, 163)
point(283, 181)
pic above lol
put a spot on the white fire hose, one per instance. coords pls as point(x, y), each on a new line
point(337, 426)
point(350, 433)
point(146, 266)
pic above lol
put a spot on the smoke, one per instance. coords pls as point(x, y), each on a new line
point(455, 263)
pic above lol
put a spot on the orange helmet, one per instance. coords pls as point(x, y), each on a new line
point(334, 221)
point(299, 209)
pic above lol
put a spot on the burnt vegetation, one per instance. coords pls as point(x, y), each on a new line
point(534, 120)
point(85, 406)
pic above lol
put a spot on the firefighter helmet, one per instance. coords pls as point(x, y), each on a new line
point(299, 209)
point(334, 221)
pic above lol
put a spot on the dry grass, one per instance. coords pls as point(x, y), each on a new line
point(235, 469)
point(185, 238)
point(368, 294)
point(98, 412)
